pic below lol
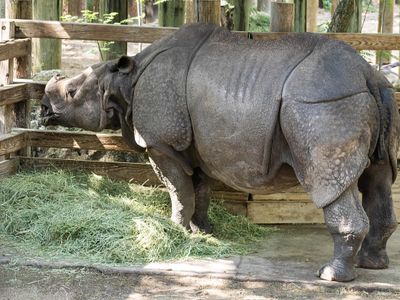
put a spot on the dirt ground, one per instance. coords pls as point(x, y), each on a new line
point(21, 283)
point(282, 267)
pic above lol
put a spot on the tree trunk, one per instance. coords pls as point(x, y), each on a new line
point(208, 11)
point(113, 50)
point(171, 13)
point(312, 9)
point(241, 15)
point(334, 4)
point(282, 17)
point(46, 52)
point(385, 25)
point(347, 17)
point(264, 6)
point(300, 10)
point(356, 21)
point(150, 11)
point(2, 9)
point(92, 5)
point(75, 7)
point(133, 8)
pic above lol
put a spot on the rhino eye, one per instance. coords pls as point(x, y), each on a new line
point(71, 92)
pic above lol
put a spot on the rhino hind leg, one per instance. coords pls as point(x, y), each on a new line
point(375, 185)
point(348, 225)
point(179, 185)
point(202, 189)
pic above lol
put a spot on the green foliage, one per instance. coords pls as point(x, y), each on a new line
point(327, 4)
point(64, 214)
point(89, 16)
point(258, 21)
point(369, 6)
point(323, 27)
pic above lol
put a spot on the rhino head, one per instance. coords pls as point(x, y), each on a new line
point(98, 98)
point(94, 100)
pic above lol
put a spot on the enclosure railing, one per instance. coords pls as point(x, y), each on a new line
point(292, 206)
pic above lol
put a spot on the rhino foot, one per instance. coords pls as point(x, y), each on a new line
point(204, 227)
point(337, 270)
point(379, 260)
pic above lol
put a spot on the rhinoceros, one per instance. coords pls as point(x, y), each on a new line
point(259, 116)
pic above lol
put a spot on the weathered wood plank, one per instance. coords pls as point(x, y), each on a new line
point(12, 142)
point(13, 93)
point(100, 32)
point(397, 97)
point(359, 41)
point(132, 172)
point(79, 31)
point(75, 140)
point(15, 48)
point(283, 212)
point(9, 167)
point(36, 90)
point(295, 207)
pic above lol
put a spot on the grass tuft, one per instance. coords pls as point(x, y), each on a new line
point(86, 216)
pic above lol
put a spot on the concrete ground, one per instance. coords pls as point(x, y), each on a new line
point(283, 267)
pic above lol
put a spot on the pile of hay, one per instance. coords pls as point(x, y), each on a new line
point(64, 214)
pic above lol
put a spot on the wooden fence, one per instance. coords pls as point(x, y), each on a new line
point(291, 206)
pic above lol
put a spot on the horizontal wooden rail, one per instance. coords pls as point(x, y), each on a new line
point(142, 34)
point(132, 172)
point(359, 41)
point(82, 31)
point(10, 143)
point(9, 167)
point(22, 91)
point(13, 93)
point(74, 140)
point(15, 48)
point(35, 89)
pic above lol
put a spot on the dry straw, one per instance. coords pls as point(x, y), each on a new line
point(63, 214)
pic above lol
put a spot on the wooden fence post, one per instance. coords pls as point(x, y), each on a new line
point(312, 9)
point(282, 17)
point(208, 11)
point(385, 25)
point(21, 9)
point(47, 52)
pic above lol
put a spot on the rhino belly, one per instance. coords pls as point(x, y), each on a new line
point(230, 142)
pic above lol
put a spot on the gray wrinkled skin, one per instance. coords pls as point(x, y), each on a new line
point(258, 116)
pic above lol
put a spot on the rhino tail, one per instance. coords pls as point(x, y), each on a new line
point(385, 149)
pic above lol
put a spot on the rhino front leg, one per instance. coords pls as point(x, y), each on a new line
point(375, 185)
point(179, 185)
point(348, 224)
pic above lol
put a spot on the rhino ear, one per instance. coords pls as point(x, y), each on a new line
point(126, 64)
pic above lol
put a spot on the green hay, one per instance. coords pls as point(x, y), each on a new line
point(59, 213)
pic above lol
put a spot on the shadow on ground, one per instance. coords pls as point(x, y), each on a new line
point(283, 267)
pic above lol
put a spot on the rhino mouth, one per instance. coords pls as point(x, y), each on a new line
point(47, 116)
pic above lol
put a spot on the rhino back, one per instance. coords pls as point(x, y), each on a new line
point(234, 91)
